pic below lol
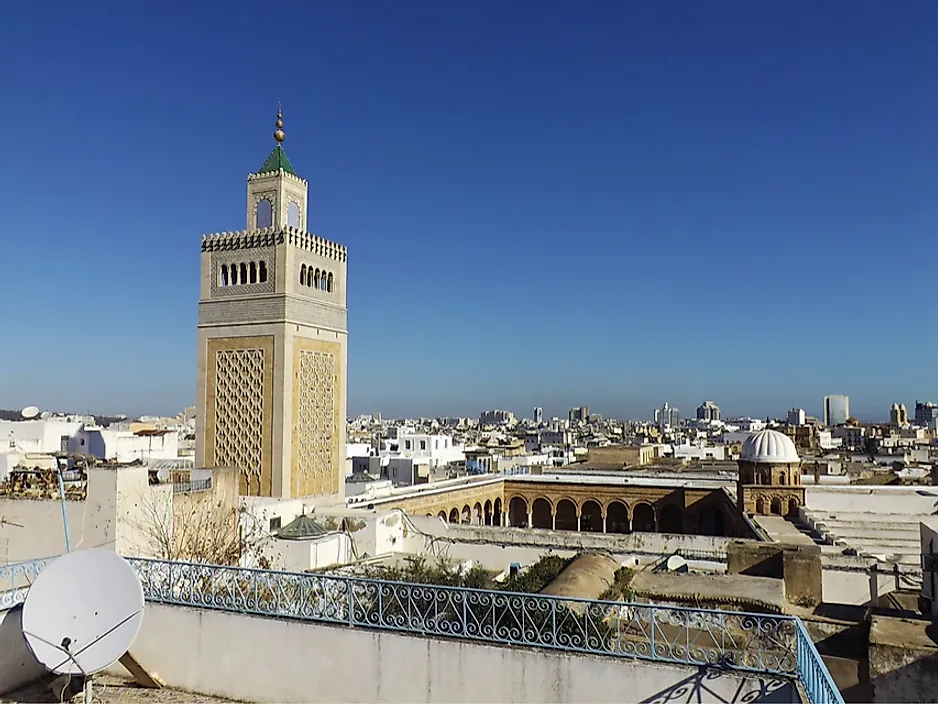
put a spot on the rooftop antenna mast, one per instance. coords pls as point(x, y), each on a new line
point(30, 413)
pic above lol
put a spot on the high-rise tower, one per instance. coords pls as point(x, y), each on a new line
point(271, 393)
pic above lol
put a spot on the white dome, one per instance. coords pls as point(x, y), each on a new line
point(769, 446)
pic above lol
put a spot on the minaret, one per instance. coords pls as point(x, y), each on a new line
point(271, 390)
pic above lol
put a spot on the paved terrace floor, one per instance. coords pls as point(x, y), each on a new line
point(108, 689)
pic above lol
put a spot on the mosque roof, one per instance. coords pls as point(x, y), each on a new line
point(769, 446)
point(300, 528)
point(276, 161)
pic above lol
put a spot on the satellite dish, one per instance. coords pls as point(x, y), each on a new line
point(83, 612)
point(45, 415)
point(30, 412)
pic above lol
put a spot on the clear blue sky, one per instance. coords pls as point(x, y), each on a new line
point(545, 203)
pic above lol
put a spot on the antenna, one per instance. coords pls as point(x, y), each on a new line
point(83, 612)
point(29, 413)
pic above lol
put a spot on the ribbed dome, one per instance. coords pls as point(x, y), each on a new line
point(769, 446)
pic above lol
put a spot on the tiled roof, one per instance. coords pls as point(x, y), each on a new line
point(301, 527)
point(276, 161)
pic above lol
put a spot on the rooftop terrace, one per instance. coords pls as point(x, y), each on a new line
point(555, 637)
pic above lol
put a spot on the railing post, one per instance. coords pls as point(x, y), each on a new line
point(351, 602)
point(651, 618)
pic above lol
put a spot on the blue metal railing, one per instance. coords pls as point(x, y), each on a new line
point(15, 580)
point(745, 642)
point(813, 674)
point(739, 641)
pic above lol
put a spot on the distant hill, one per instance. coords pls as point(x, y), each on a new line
point(103, 420)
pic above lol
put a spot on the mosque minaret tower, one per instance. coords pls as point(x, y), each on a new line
point(273, 333)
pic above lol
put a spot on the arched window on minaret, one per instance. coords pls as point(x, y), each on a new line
point(224, 274)
point(322, 283)
point(234, 274)
point(330, 285)
point(293, 214)
point(253, 268)
point(243, 274)
point(303, 275)
point(265, 213)
point(262, 273)
point(316, 279)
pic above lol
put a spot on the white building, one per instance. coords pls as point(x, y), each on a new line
point(433, 450)
point(79, 434)
point(126, 446)
point(41, 435)
point(797, 416)
point(699, 451)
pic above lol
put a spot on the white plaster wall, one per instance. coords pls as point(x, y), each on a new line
point(854, 588)
point(35, 529)
point(270, 660)
point(302, 555)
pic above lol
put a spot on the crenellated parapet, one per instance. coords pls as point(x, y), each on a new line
point(272, 236)
point(245, 239)
point(279, 172)
point(317, 245)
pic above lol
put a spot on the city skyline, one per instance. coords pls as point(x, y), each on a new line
point(468, 185)
point(687, 412)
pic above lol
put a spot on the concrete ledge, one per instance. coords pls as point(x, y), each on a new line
point(275, 660)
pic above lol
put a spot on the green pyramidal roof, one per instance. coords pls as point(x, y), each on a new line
point(301, 527)
point(276, 161)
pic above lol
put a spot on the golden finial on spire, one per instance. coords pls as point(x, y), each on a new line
point(279, 135)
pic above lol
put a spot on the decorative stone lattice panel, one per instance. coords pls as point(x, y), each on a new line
point(256, 254)
point(315, 422)
point(239, 411)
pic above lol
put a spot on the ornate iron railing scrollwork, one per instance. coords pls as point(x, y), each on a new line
point(15, 579)
point(738, 641)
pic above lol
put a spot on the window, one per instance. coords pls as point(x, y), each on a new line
point(223, 279)
point(234, 274)
point(423, 444)
point(263, 271)
point(243, 273)
point(303, 275)
point(253, 268)
point(293, 214)
point(329, 284)
point(265, 214)
point(407, 444)
point(275, 523)
point(436, 444)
